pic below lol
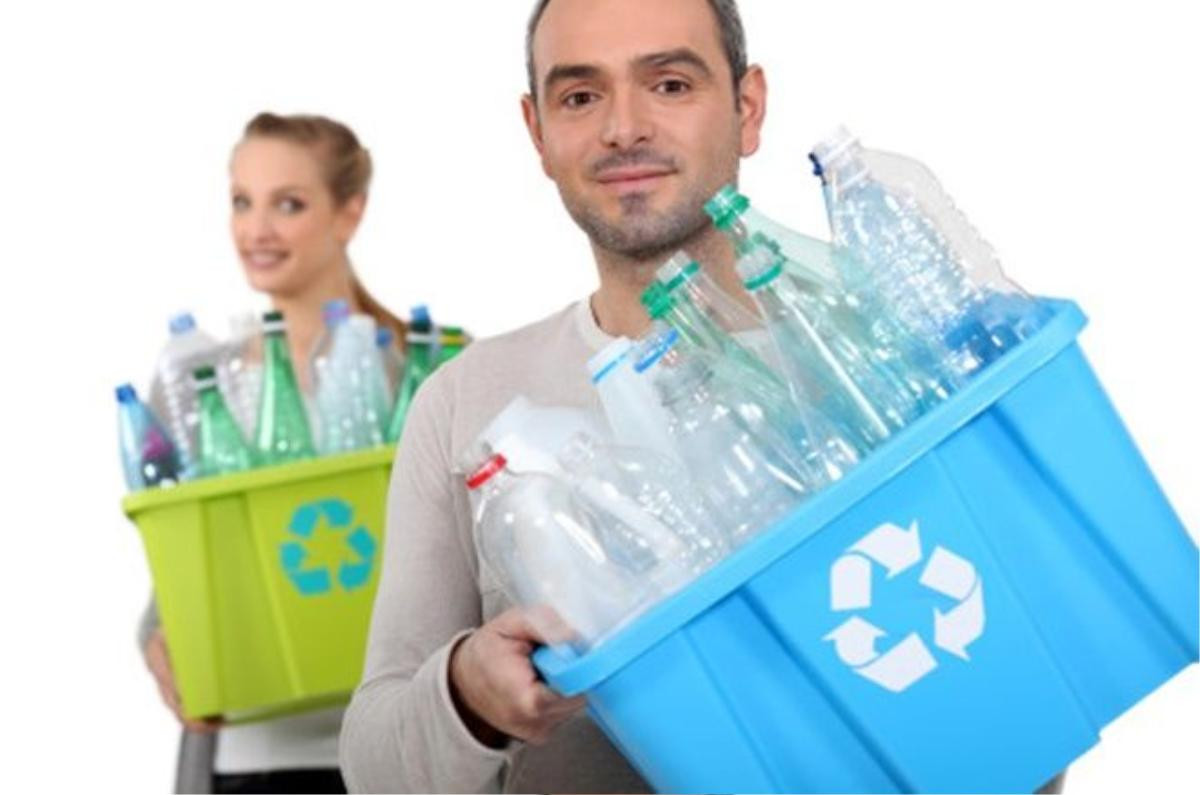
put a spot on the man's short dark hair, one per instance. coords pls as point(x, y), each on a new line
point(729, 22)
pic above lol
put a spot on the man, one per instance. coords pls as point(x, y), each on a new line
point(639, 112)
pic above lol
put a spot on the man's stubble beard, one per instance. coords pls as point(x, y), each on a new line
point(643, 234)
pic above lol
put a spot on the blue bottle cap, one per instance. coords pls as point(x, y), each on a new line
point(335, 311)
point(419, 315)
point(126, 393)
point(182, 323)
point(384, 337)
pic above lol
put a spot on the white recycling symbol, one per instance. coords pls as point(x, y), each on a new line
point(897, 550)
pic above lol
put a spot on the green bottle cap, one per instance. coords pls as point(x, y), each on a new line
point(204, 378)
point(273, 322)
point(726, 207)
point(657, 301)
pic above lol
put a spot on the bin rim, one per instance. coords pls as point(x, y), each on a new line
point(255, 479)
point(571, 673)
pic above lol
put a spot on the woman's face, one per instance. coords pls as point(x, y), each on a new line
point(286, 228)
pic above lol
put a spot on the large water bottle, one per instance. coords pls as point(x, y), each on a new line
point(351, 385)
point(549, 550)
point(630, 403)
point(148, 457)
point(422, 345)
point(283, 433)
point(744, 467)
point(221, 449)
point(918, 257)
point(187, 349)
point(880, 338)
point(240, 370)
point(824, 367)
point(652, 493)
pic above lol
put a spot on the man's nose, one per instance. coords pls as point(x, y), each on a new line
point(629, 121)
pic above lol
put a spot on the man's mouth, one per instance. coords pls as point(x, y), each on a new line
point(636, 178)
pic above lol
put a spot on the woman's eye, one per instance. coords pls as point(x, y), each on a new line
point(291, 206)
point(240, 203)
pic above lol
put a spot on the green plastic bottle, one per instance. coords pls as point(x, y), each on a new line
point(283, 434)
point(221, 448)
point(421, 359)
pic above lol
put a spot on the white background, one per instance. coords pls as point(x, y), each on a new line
point(1066, 131)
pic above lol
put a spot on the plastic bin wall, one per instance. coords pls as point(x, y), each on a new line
point(963, 612)
point(265, 581)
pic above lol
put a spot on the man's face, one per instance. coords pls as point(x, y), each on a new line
point(636, 119)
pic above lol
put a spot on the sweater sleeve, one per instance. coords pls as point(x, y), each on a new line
point(402, 731)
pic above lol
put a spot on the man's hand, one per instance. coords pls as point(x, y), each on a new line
point(159, 663)
point(496, 688)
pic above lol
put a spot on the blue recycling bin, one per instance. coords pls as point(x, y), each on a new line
point(963, 612)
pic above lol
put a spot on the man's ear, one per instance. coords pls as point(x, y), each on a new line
point(533, 123)
point(752, 103)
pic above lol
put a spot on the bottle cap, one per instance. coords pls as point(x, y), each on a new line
point(826, 154)
point(726, 207)
point(182, 323)
point(486, 472)
point(204, 377)
point(677, 270)
point(335, 311)
point(606, 361)
point(656, 300)
point(126, 393)
point(273, 322)
point(384, 337)
point(419, 318)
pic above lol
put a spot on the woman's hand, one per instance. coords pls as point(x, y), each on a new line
point(158, 660)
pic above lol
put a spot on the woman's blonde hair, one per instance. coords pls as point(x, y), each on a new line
point(346, 166)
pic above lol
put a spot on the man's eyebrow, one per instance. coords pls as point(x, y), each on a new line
point(680, 55)
point(577, 71)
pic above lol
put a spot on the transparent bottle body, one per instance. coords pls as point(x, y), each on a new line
point(182, 355)
point(917, 258)
point(829, 370)
point(654, 495)
point(352, 395)
point(148, 456)
point(738, 460)
point(549, 550)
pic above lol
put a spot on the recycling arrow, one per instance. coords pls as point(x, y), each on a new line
point(855, 641)
point(892, 547)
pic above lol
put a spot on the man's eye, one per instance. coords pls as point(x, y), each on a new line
point(672, 87)
point(577, 99)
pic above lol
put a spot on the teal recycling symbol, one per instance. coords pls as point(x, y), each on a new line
point(312, 578)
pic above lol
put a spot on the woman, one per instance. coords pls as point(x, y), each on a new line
point(298, 192)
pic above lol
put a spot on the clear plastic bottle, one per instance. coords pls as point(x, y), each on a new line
point(880, 338)
point(351, 385)
point(654, 495)
point(148, 457)
point(743, 466)
point(635, 417)
point(918, 257)
point(221, 450)
point(824, 367)
point(240, 370)
point(283, 434)
point(187, 348)
point(549, 551)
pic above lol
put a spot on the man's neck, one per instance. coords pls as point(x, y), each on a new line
point(617, 305)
